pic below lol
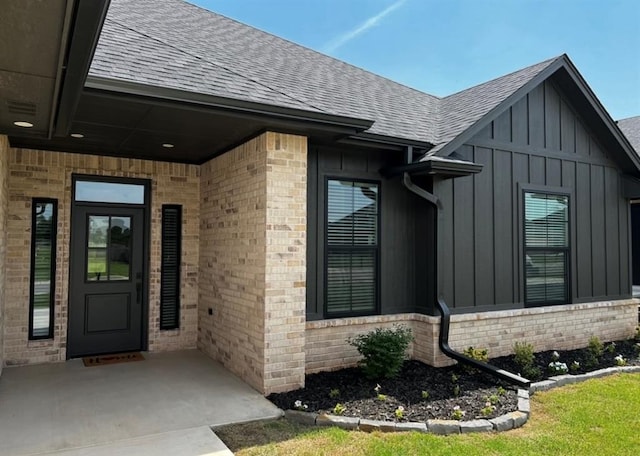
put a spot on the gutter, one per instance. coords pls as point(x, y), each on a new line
point(443, 339)
point(108, 86)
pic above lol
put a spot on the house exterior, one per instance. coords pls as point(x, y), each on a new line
point(631, 128)
point(188, 181)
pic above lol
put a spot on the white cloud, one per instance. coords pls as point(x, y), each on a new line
point(366, 25)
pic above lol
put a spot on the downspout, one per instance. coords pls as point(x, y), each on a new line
point(443, 339)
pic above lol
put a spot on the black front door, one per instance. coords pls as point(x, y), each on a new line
point(106, 280)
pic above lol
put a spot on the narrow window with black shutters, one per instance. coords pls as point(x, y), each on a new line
point(43, 267)
point(170, 269)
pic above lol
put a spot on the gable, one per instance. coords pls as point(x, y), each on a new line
point(545, 122)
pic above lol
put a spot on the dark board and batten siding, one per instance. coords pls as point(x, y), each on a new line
point(404, 234)
point(539, 141)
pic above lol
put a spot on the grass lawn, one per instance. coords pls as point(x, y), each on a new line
point(595, 418)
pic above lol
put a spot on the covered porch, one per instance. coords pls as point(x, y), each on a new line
point(167, 399)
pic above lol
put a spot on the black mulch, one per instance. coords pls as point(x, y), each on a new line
point(447, 388)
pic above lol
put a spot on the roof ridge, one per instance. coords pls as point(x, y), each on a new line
point(523, 69)
point(198, 57)
point(343, 62)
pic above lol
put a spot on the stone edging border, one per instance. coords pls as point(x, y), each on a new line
point(511, 420)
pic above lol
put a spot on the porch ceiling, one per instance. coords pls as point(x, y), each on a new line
point(45, 51)
point(117, 123)
point(32, 35)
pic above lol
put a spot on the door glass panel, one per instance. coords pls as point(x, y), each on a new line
point(109, 192)
point(119, 248)
point(108, 248)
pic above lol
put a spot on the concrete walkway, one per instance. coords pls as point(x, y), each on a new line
point(163, 405)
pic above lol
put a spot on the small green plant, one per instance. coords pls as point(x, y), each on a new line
point(636, 336)
point(454, 378)
point(595, 350)
point(335, 392)
point(425, 394)
point(595, 347)
point(488, 409)
point(555, 356)
point(493, 399)
point(523, 354)
point(620, 360)
point(456, 390)
point(457, 413)
point(611, 348)
point(501, 391)
point(399, 412)
point(525, 359)
point(574, 367)
point(381, 397)
point(479, 354)
point(339, 409)
point(383, 350)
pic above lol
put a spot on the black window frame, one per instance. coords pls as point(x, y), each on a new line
point(327, 248)
point(52, 273)
point(174, 270)
point(566, 250)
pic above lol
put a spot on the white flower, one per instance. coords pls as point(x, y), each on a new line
point(557, 366)
point(377, 388)
point(555, 355)
point(400, 408)
point(297, 404)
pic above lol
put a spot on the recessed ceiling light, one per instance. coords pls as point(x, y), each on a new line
point(77, 135)
point(168, 145)
point(23, 124)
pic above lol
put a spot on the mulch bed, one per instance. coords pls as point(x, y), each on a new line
point(447, 387)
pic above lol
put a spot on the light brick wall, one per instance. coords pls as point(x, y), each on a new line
point(285, 272)
point(252, 261)
point(326, 344)
point(4, 206)
point(547, 328)
point(48, 174)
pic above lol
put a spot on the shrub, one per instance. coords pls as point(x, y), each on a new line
point(596, 348)
point(525, 359)
point(479, 354)
point(383, 350)
point(523, 354)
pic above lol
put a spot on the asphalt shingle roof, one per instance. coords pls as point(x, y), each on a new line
point(173, 44)
point(631, 129)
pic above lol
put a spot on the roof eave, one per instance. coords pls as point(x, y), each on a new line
point(88, 20)
point(217, 102)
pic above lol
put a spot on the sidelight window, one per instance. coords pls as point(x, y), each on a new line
point(43, 267)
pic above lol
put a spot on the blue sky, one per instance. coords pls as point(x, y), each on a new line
point(443, 46)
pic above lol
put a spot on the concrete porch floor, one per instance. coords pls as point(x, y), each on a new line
point(140, 407)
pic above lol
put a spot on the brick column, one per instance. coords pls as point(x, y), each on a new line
point(252, 260)
point(285, 268)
